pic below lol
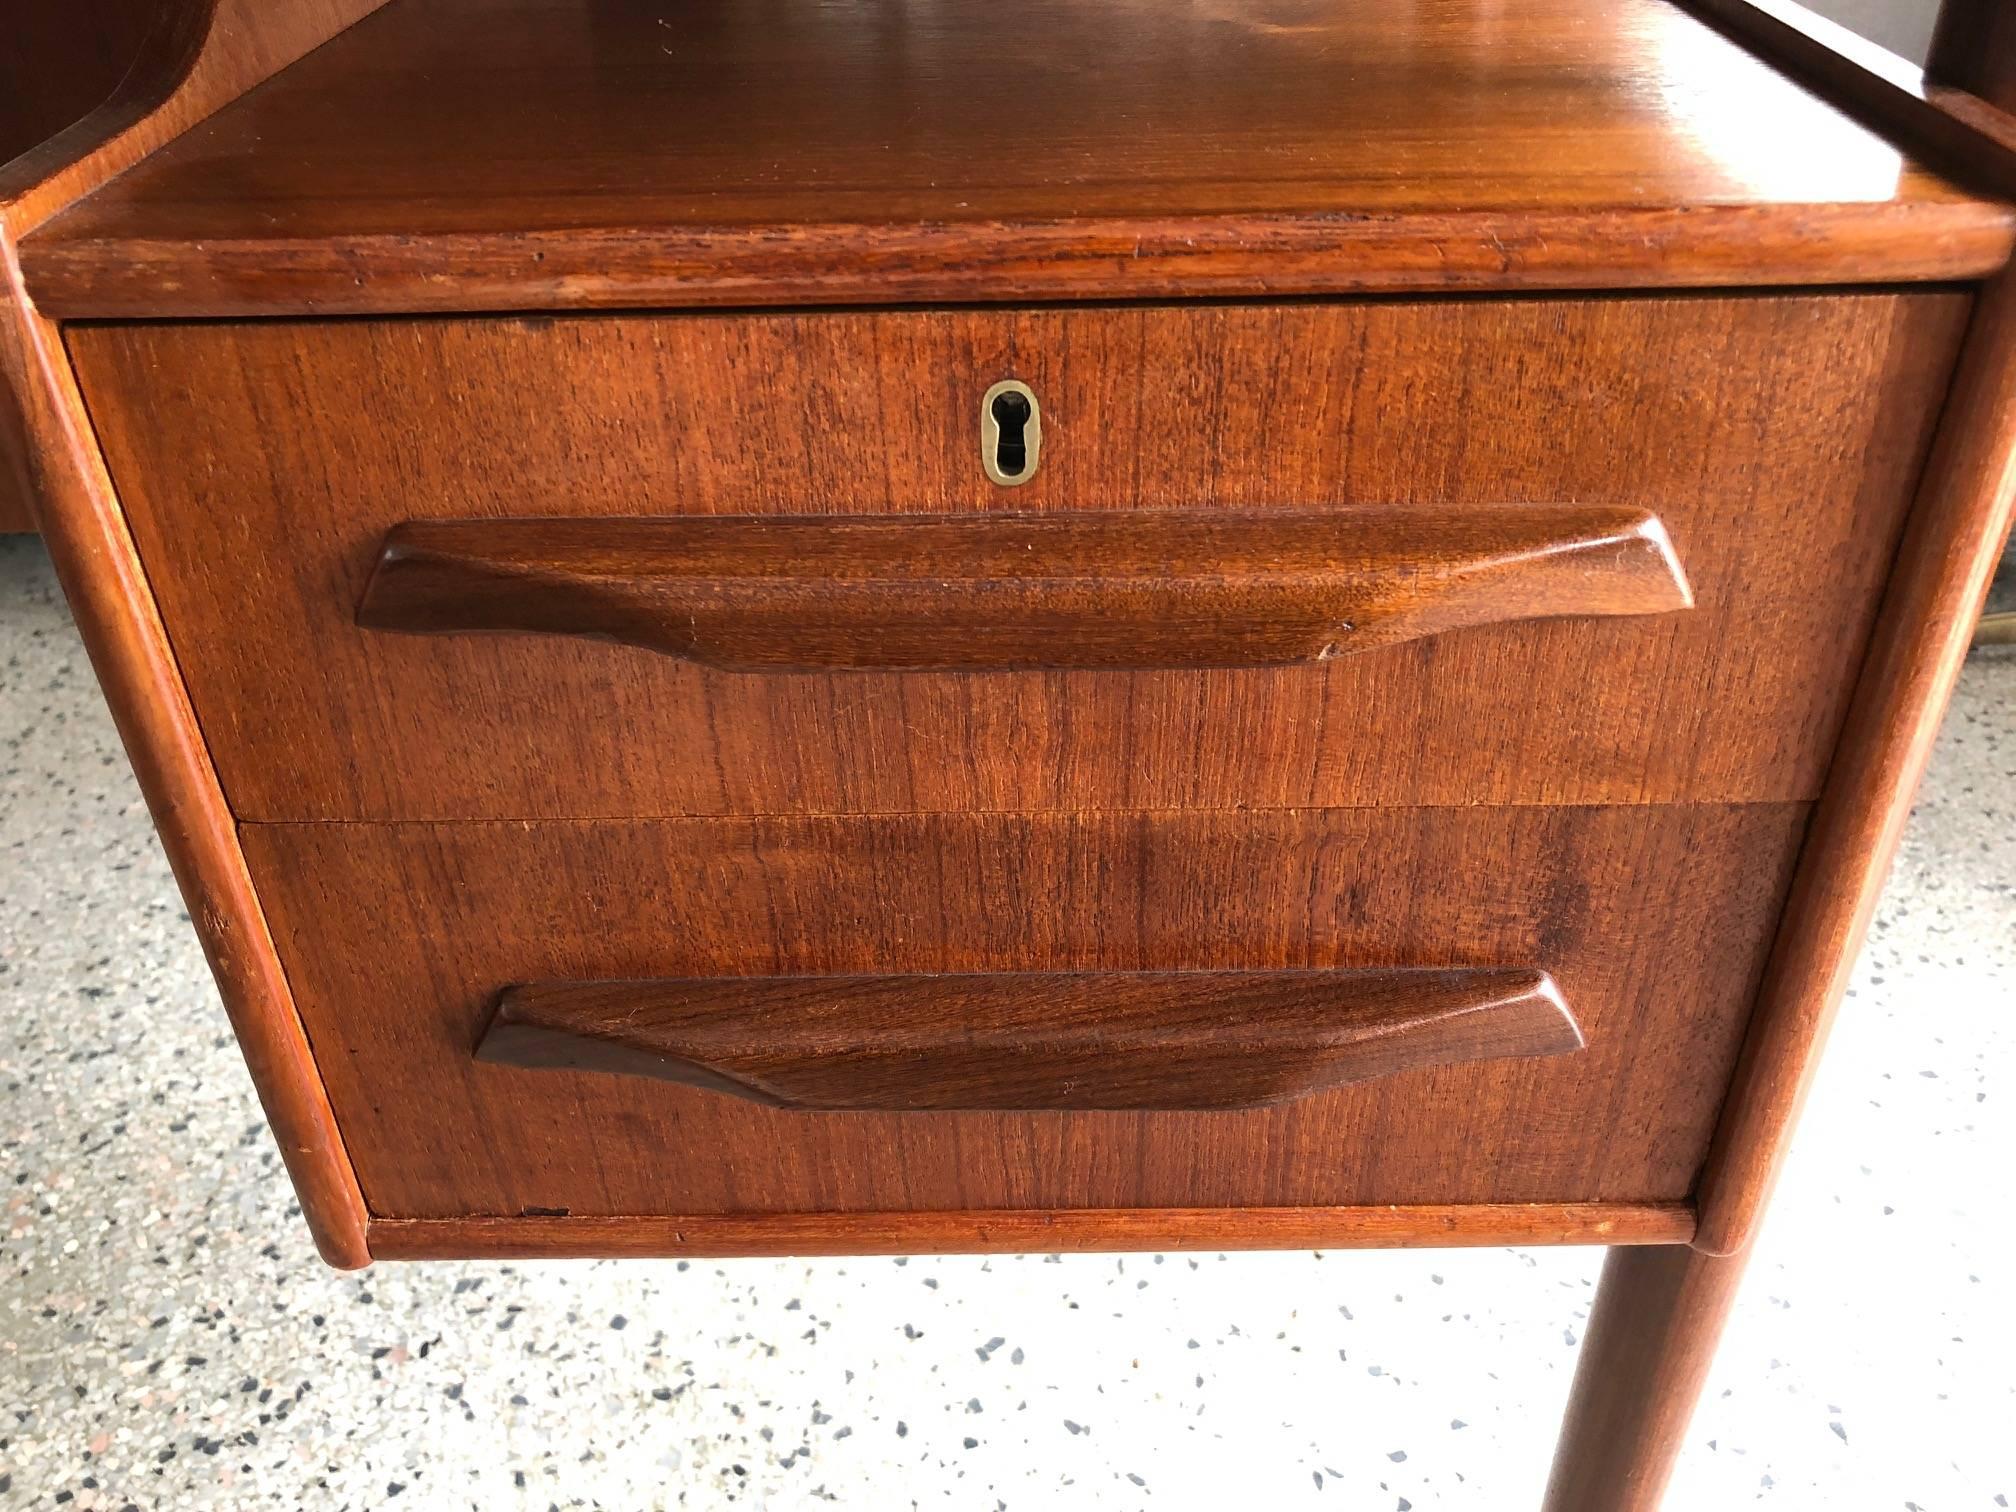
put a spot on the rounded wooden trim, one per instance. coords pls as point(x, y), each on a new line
point(1226, 257)
point(203, 54)
point(1020, 1231)
point(1952, 542)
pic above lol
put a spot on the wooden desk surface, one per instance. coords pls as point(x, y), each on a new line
point(553, 153)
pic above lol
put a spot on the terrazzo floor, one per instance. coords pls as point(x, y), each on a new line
point(168, 1338)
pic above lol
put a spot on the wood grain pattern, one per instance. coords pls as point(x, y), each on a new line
point(1943, 571)
point(17, 501)
point(203, 55)
point(1166, 1041)
point(1645, 1357)
point(1021, 1231)
point(82, 274)
point(993, 592)
point(199, 57)
point(563, 155)
point(1778, 439)
point(1616, 903)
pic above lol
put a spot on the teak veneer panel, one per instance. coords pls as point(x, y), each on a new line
point(262, 466)
point(398, 940)
point(547, 154)
point(1023, 1041)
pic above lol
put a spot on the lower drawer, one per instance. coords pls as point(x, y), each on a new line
point(399, 940)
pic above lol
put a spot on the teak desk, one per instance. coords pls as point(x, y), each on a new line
point(788, 627)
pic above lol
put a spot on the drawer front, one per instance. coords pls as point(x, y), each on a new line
point(265, 465)
point(748, 1088)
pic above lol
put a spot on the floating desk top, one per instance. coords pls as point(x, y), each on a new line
point(472, 154)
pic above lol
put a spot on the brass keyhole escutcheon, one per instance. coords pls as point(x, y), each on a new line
point(1011, 433)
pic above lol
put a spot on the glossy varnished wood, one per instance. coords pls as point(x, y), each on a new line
point(1023, 1231)
point(1169, 588)
point(1615, 903)
point(204, 53)
point(17, 509)
point(545, 154)
point(1778, 439)
point(1646, 1354)
point(196, 58)
point(1080, 1041)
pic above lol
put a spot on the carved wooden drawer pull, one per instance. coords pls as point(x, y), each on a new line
point(1088, 1041)
point(993, 591)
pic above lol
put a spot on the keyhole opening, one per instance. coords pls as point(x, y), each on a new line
point(1011, 450)
point(1011, 433)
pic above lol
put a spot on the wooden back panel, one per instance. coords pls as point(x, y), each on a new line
point(61, 61)
point(1974, 48)
point(56, 63)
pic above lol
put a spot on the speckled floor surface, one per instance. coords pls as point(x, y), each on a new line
point(168, 1339)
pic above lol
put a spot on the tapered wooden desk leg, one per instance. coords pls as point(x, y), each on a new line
point(1651, 1338)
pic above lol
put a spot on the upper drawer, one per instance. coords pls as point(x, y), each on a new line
point(263, 467)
